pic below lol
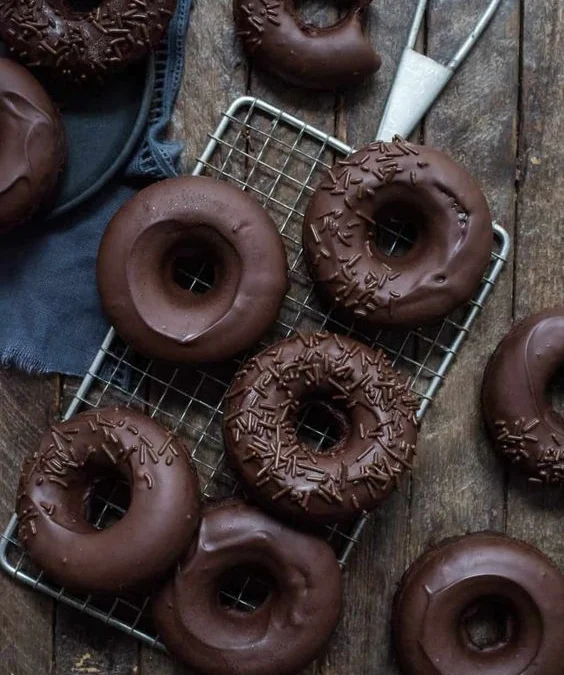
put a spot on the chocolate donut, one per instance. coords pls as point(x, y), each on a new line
point(277, 39)
point(56, 483)
point(280, 636)
point(32, 146)
point(518, 414)
point(446, 587)
point(82, 46)
point(187, 218)
point(371, 401)
point(405, 182)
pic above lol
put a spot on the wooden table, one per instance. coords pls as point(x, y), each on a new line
point(502, 117)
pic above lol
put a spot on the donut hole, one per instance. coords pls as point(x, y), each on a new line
point(397, 227)
point(556, 392)
point(321, 424)
point(245, 588)
point(488, 624)
point(194, 273)
point(108, 499)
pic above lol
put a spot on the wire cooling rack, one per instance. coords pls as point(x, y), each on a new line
point(277, 158)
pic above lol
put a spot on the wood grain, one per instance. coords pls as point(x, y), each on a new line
point(458, 486)
point(501, 117)
point(26, 406)
point(536, 513)
point(216, 73)
point(380, 558)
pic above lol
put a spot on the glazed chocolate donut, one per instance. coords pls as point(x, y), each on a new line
point(387, 181)
point(371, 401)
point(280, 636)
point(56, 483)
point(182, 218)
point(446, 587)
point(316, 58)
point(32, 146)
point(517, 411)
point(83, 46)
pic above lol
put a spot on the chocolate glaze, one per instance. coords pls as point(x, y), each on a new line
point(283, 634)
point(285, 475)
point(56, 483)
point(82, 46)
point(278, 40)
point(32, 146)
point(442, 269)
point(440, 590)
point(518, 414)
point(183, 217)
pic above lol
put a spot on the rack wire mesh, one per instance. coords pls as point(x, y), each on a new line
point(277, 158)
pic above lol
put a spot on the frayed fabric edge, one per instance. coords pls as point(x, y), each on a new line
point(23, 360)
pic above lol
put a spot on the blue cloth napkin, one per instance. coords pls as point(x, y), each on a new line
point(51, 319)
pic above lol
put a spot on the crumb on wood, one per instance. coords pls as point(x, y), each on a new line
point(84, 667)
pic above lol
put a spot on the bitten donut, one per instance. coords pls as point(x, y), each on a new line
point(56, 483)
point(198, 218)
point(517, 411)
point(372, 403)
point(448, 586)
point(32, 146)
point(280, 636)
point(82, 46)
point(277, 39)
point(408, 183)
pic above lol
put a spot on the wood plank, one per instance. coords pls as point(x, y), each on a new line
point(535, 513)
point(26, 405)
point(215, 74)
point(361, 644)
point(458, 486)
point(361, 108)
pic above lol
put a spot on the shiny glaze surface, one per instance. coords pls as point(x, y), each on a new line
point(517, 410)
point(374, 406)
point(441, 589)
point(32, 145)
point(83, 46)
point(316, 58)
point(452, 248)
point(205, 219)
point(283, 634)
point(56, 484)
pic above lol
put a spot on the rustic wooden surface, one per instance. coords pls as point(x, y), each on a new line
point(501, 116)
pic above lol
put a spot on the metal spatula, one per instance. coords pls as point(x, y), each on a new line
point(420, 80)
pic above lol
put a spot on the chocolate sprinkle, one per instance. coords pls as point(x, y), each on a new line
point(262, 439)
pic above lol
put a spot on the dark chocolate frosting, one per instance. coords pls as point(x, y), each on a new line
point(442, 269)
point(82, 46)
point(32, 146)
point(285, 475)
point(283, 634)
point(517, 411)
point(56, 483)
point(182, 217)
point(316, 58)
point(444, 587)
